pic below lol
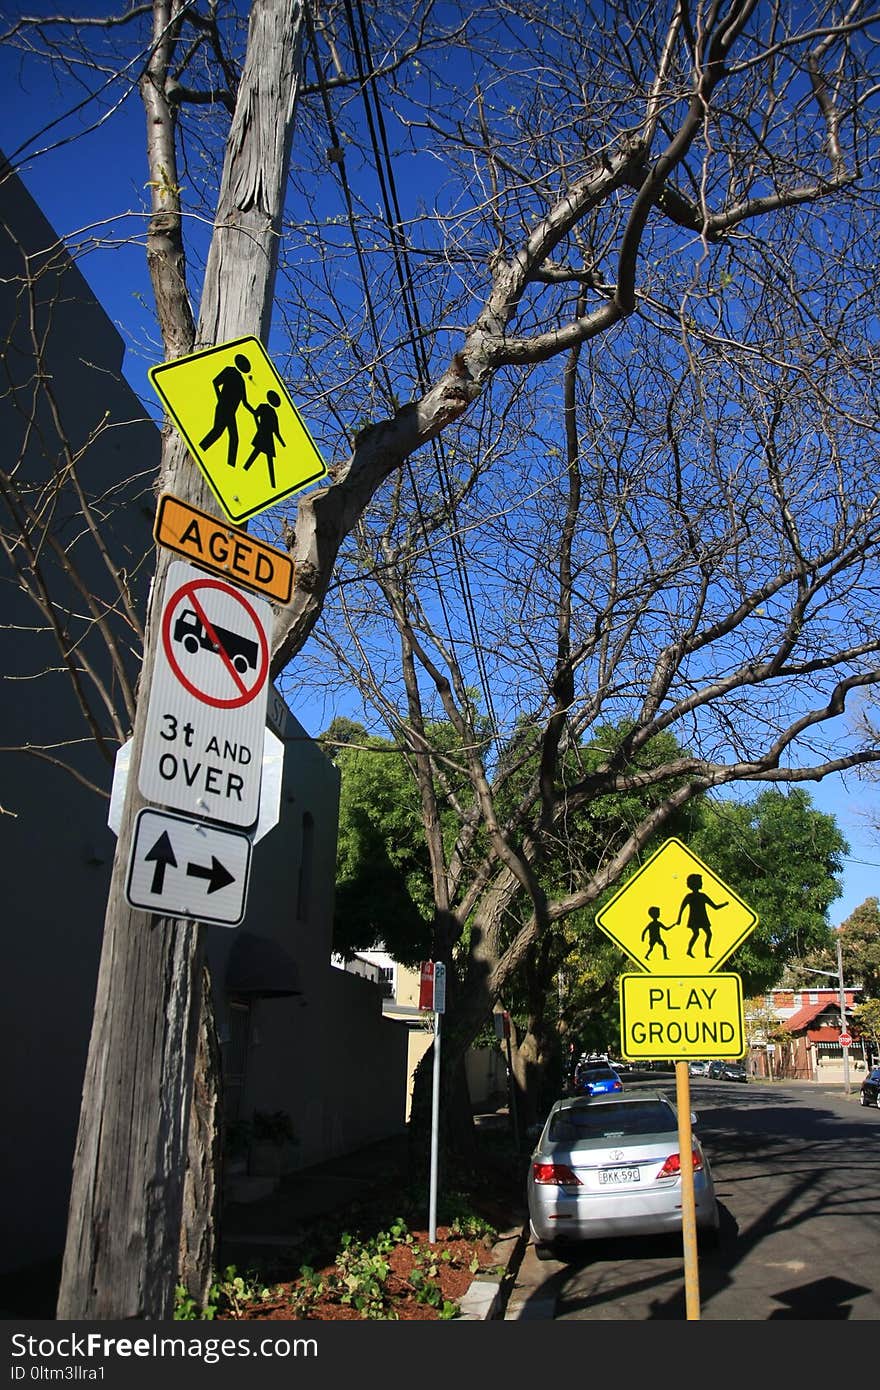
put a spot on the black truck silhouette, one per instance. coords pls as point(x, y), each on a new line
point(190, 630)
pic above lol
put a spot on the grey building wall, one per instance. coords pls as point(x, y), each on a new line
point(295, 1052)
point(61, 361)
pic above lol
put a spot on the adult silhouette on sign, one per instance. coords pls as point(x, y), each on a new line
point(696, 902)
point(229, 385)
point(267, 432)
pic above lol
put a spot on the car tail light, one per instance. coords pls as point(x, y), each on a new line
point(618, 1086)
point(558, 1174)
point(672, 1167)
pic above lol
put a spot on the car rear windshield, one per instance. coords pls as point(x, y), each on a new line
point(610, 1121)
point(598, 1074)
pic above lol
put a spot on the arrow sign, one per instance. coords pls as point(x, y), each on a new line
point(218, 876)
point(186, 868)
point(162, 855)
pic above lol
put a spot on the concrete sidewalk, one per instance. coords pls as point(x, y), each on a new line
point(308, 1193)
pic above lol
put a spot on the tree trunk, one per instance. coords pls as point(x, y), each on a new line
point(199, 1234)
point(455, 1115)
point(124, 1223)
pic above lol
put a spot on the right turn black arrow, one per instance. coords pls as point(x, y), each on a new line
point(218, 875)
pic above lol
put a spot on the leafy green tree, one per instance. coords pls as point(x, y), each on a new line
point(383, 877)
point(384, 891)
point(580, 177)
point(762, 1024)
point(867, 1018)
point(582, 1007)
point(777, 851)
point(782, 857)
point(860, 947)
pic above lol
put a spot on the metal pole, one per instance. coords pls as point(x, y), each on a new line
point(435, 1129)
point(511, 1091)
point(688, 1205)
point(843, 1027)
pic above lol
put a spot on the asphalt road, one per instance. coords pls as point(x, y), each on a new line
point(797, 1171)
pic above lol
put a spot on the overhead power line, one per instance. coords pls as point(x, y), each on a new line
point(394, 219)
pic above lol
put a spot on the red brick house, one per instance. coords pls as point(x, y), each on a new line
point(810, 1043)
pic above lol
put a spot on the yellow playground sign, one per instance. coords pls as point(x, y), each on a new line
point(676, 916)
point(681, 1016)
point(240, 425)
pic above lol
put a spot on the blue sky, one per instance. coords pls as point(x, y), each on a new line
point(82, 184)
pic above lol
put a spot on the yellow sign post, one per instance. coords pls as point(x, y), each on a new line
point(240, 425)
point(681, 1016)
point(676, 916)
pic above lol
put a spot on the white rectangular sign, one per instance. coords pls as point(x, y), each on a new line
point(182, 868)
point(203, 744)
point(439, 987)
point(270, 786)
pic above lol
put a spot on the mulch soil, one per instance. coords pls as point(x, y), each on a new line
point(318, 1275)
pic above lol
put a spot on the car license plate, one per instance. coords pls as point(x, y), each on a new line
point(615, 1177)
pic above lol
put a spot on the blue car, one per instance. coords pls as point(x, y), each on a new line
point(594, 1080)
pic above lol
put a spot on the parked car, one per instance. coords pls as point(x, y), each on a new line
point(869, 1092)
point(733, 1071)
point(596, 1080)
point(610, 1166)
point(714, 1069)
point(698, 1068)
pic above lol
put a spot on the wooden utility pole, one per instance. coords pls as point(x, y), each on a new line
point(124, 1225)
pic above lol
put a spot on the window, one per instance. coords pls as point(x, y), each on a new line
point(386, 977)
point(814, 997)
point(612, 1121)
point(304, 884)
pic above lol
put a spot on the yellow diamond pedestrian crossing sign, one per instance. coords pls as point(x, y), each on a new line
point(240, 425)
point(675, 916)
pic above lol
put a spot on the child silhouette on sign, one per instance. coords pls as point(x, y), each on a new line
point(652, 932)
point(231, 392)
point(696, 902)
point(267, 432)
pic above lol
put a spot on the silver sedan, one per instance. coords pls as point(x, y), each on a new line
point(609, 1166)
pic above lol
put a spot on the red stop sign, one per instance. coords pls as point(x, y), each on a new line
point(845, 1039)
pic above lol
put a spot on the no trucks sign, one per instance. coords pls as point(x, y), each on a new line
point(203, 745)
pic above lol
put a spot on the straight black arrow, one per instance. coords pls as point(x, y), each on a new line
point(218, 875)
point(163, 855)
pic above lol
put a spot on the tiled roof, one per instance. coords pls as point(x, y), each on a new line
point(798, 1021)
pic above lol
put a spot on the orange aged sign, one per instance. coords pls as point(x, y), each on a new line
point(225, 549)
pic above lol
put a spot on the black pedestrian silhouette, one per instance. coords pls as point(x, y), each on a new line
point(229, 385)
point(698, 918)
point(652, 932)
point(267, 432)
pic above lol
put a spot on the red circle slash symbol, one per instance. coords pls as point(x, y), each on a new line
point(239, 654)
